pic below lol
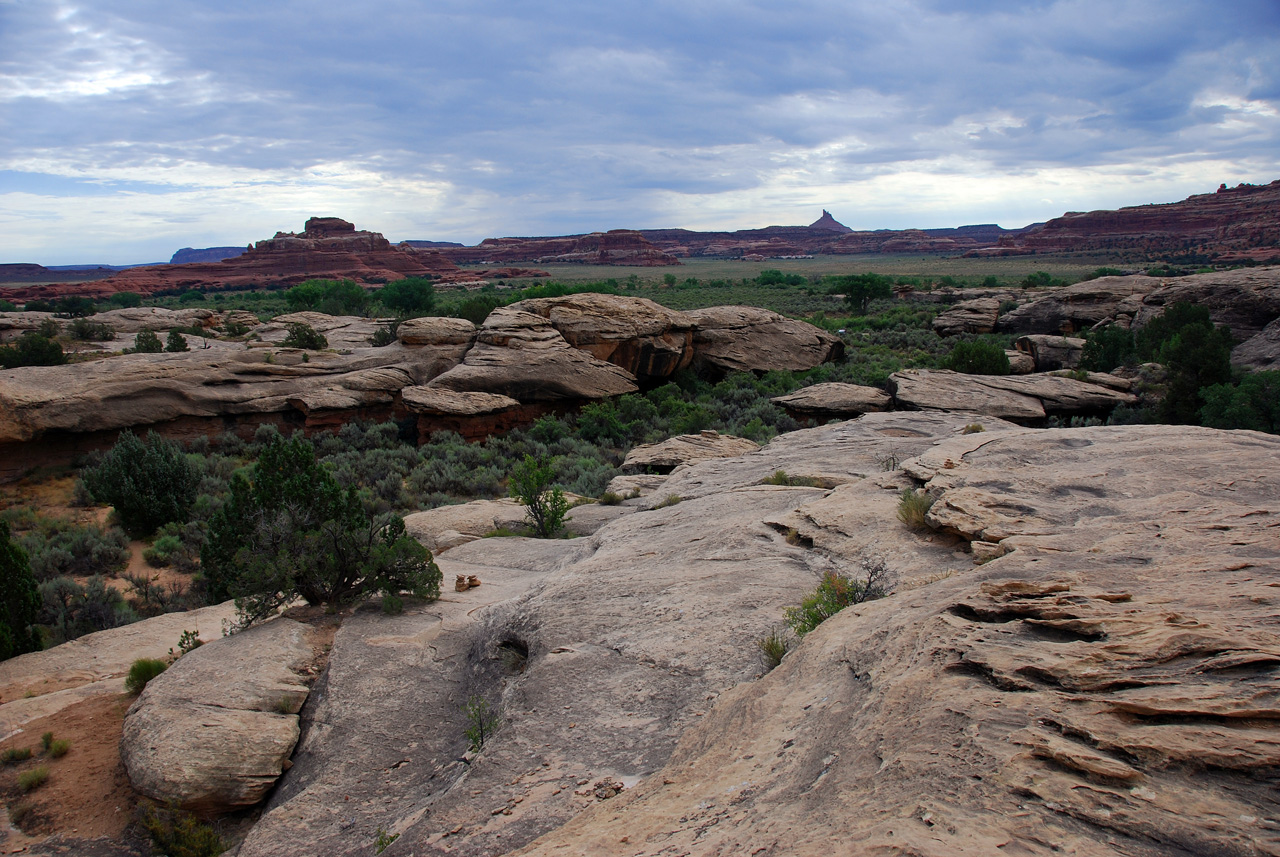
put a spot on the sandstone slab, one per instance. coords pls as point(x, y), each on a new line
point(1079, 306)
point(214, 731)
point(470, 520)
point(1051, 352)
point(686, 449)
point(972, 316)
point(644, 338)
point(748, 339)
point(835, 399)
point(1018, 398)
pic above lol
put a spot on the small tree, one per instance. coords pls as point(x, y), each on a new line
point(146, 342)
point(19, 599)
point(977, 358)
point(149, 484)
point(1254, 404)
point(545, 505)
point(293, 531)
point(303, 335)
point(32, 349)
point(176, 342)
point(408, 297)
point(860, 289)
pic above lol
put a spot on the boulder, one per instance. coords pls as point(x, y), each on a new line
point(972, 316)
point(1245, 300)
point(686, 449)
point(1020, 362)
point(1079, 306)
point(644, 338)
point(748, 339)
point(436, 332)
point(1021, 398)
point(519, 354)
point(449, 526)
point(214, 731)
point(341, 331)
point(1260, 352)
point(1051, 352)
point(835, 400)
point(437, 401)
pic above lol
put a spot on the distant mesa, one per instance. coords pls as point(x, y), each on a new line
point(189, 255)
point(1232, 224)
point(327, 247)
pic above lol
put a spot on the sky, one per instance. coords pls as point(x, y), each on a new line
point(131, 128)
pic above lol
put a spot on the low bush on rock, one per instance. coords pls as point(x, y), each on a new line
point(835, 593)
point(32, 349)
point(33, 779)
point(303, 335)
point(146, 342)
point(177, 833)
point(978, 358)
point(142, 672)
point(545, 504)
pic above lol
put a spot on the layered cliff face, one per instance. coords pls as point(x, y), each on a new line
point(1238, 223)
point(327, 248)
point(616, 247)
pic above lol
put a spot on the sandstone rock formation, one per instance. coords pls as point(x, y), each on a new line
point(1096, 688)
point(1021, 398)
point(616, 247)
point(524, 361)
point(1260, 352)
point(644, 338)
point(520, 354)
point(674, 452)
point(972, 316)
point(835, 400)
point(745, 339)
point(1080, 306)
point(327, 248)
point(214, 731)
point(1051, 352)
point(1238, 223)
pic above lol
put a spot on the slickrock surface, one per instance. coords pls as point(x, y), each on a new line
point(687, 449)
point(745, 339)
point(973, 316)
point(1013, 397)
point(1080, 306)
point(1051, 352)
point(835, 399)
point(41, 683)
point(214, 731)
point(1106, 687)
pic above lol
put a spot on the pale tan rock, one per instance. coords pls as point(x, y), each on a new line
point(1020, 363)
point(1079, 306)
point(341, 331)
point(747, 339)
point(1051, 352)
point(1014, 397)
point(644, 338)
point(436, 332)
point(131, 320)
point(836, 399)
point(434, 400)
point(687, 449)
point(213, 732)
point(1260, 352)
point(442, 526)
point(972, 316)
point(639, 484)
point(519, 354)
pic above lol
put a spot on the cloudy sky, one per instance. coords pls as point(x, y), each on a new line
point(130, 128)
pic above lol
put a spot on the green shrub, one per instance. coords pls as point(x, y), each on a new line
point(408, 297)
point(773, 646)
point(125, 300)
point(544, 504)
point(912, 508)
point(149, 484)
point(610, 498)
point(973, 428)
point(1107, 348)
point(384, 335)
point(60, 548)
point(1253, 404)
point(46, 740)
point(977, 358)
point(146, 342)
point(142, 672)
point(58, 749)
point(482, 722)
point(835, 593)
point(332, 297)
point(383, 839)
point(32, 349)
point(292, 531)
point(180, 834)
point(860, 289)
point(176, 342)
point(19, 599)
point(302, 335)
point(13, 755)
point(669, 500)
point(33, 779)
point(780, 477)
point(91, 331)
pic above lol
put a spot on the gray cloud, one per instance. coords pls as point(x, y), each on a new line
point(460, 120)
